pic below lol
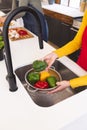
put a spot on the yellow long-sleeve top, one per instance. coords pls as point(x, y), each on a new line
point(71, 47)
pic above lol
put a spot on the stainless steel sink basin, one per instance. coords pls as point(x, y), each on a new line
point(44, 99)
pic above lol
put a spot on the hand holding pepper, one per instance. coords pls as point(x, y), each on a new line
point(49, 59)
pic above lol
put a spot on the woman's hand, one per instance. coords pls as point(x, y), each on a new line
point(60, 86)
point(50, 58)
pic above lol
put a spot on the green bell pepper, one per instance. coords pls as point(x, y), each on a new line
point(51, 81)
point(33, 77)
point(39, 65)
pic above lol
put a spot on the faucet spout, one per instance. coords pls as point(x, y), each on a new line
point(10, 76)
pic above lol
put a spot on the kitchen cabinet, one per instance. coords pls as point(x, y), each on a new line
point(59, 32)
point(65, 34)
point(54, 30)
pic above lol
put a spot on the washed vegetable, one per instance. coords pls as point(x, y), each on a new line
point(33, 77)
point(51, 81)
point(39, 65)
point(44, 75)
point(41, 84)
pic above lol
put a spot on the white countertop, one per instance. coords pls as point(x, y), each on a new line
point(19, 112)
point(69, 11)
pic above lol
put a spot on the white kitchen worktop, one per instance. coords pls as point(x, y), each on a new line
point(19, 112)
point(69, 11)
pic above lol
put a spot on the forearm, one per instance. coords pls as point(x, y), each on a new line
point(67, 49)
point(77, 82)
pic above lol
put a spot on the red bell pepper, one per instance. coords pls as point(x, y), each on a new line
point(41, 84)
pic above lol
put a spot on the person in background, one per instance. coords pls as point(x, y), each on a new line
point(79, 42)
point(29, 21)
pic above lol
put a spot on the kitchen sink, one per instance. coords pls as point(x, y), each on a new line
point(43, 98)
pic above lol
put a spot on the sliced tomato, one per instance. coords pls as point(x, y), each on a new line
point(22, 32)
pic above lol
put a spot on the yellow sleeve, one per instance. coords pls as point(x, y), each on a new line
point(77, 82)
point(75, 44)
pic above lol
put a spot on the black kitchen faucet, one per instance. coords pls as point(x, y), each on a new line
point(8, 60)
